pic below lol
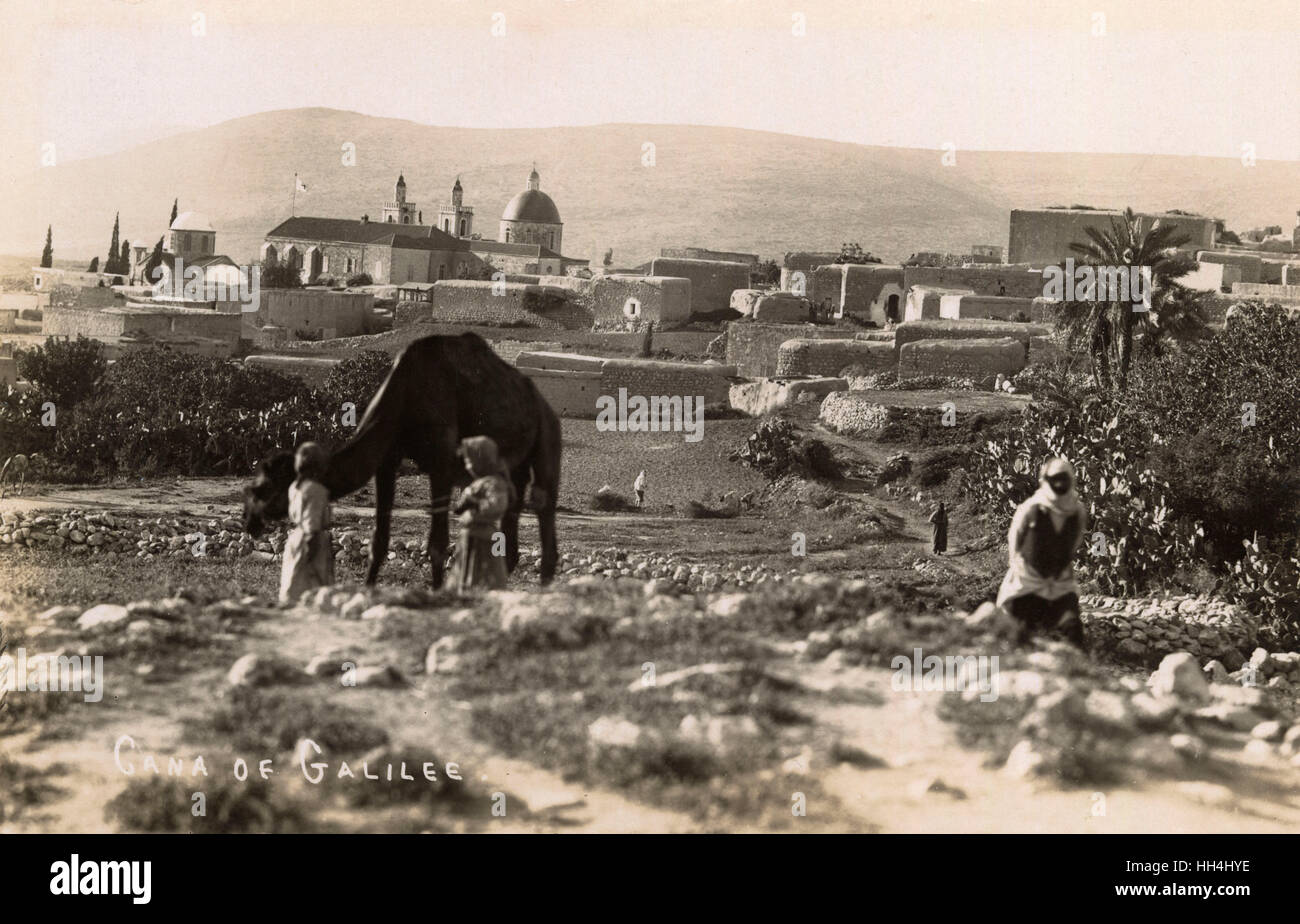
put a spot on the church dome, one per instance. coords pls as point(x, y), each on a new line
point(192, 221)
point(532, 205)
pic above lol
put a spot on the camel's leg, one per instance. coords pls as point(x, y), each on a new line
point(510, 520)
point(385, 491)
point(22, 483)
point(440, 500)
point(550, 550)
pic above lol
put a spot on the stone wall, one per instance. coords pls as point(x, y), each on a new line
point(666, 301)
point(977, 359)
point(752, 347)
point(1248, 264)
point(1272, 269)
point(1268, 293)
point(572, 382)
point(830, 357)
point(767, 396)
point(498, 304)
point(313, 370)
point(1013, 281)
point(965, 329)
point(1042, 236)
point(993, 307)
point(712, 281)
point(653, 377)
point(66, 296)
point(318, 311)
point(780, 308)
point(161, 324)
point(703, 253)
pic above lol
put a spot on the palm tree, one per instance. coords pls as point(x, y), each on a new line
point(1109, 326)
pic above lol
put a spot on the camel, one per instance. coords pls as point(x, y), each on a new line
point(20, 464)
point(440, 389)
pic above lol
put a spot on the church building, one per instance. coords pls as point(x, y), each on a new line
point(400, 249)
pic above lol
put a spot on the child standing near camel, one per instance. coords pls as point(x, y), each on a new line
point(479, 509)
point(309, 551)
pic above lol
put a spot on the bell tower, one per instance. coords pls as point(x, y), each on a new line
point(398, 210)
point(456, 218)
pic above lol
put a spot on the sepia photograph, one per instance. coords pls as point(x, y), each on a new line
point(673, 417)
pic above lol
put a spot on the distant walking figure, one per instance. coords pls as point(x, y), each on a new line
point(19, 463)
point(480, 508)
point(1047, 529)
point(939, 529)
point(639, 487)
point(309, 550)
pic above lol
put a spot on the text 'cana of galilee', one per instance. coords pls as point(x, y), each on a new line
point(314, 771)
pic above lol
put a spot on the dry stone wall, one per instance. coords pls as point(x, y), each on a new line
point(830, 357)
point(498, 304)
point(978, 359)
point(752, 347)
point(1017, 282)
point(965, 329)
point(572, 383)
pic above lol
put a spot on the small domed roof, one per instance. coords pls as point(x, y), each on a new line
point(192, 221)
point(532, 205)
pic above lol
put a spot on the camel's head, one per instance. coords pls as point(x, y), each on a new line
point(267, 498)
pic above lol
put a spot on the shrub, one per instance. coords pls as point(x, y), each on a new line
point(1129, 503)
point(279, 276)
point(358, 378)
point(360, 279)
point(164, 805)
point(610, 501)
point(65, 371)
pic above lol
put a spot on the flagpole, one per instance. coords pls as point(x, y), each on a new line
point(293, 209)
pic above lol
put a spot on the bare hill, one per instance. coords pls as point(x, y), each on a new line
point(717, 187)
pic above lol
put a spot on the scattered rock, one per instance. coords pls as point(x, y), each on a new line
point(103, 616)
point(385, 677)
point(919, 789)
point(254, 670)
point(1178, 675)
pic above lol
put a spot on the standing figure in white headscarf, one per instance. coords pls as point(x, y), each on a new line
point(639, 487)
point(309, 549)
point(1039, 590)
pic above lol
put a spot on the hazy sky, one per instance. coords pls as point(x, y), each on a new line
point(1167, 76)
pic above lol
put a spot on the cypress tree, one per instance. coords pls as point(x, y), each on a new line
point(114, 246)
point(171, 221)
point(94, 265)
point(47, 255)
point(124, 261)
point(155, 260)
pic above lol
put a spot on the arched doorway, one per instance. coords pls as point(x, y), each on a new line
point(315, 263)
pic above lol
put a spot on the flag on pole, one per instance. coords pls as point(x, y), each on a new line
point(300, 185)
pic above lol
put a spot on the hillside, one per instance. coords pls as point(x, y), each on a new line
point(717, 187)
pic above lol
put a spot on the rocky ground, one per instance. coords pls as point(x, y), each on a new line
point(633, 702)
point(682, 675)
